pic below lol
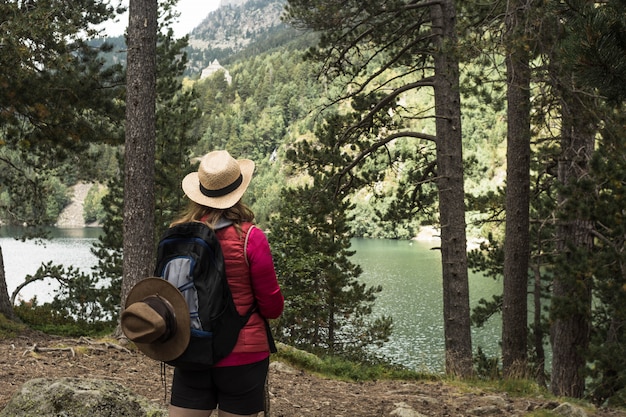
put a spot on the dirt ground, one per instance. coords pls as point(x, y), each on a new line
point(292, 392)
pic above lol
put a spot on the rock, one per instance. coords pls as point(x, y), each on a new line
point(484, 410)
point(72, 215)
point(283, 368)
point(569, 410)
point(496, 400)
point(404, 410)
point(78, 397)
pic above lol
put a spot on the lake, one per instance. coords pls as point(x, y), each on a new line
point(410, 273)
point(68, 247)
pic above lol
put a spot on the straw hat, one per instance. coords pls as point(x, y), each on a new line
point(156, 318)
point(220, 181)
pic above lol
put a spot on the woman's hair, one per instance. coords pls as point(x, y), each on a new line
point(195, 212)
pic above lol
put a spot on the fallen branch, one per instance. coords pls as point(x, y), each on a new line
point(108, 345)
point(37, 349)
point(91, 345)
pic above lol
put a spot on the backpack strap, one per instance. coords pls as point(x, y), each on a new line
point(268, 330)
point(245, 245)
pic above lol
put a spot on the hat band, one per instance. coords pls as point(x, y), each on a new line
point(166, 311)
point(222, 191)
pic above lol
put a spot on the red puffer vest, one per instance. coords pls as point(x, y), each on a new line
point(253, 337)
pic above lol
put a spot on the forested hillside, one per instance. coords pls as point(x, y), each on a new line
point(228, 34)
point(276, 97)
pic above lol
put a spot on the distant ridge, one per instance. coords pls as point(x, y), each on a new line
point(234, 26)
point(238, 29)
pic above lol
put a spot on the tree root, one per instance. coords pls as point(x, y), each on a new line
point(108, 345)
point(90, 345)
point(36, 349)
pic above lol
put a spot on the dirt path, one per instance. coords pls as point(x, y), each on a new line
point(292, 392)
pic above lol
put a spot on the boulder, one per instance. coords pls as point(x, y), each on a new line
point(78, 397)
point(569, 410)
point(404, 410)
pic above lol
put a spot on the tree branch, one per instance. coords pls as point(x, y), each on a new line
point(383, 142)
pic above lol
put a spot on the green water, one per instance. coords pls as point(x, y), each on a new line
point(410, 273)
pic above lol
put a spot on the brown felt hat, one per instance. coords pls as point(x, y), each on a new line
point(156, 318)
point(220, 181)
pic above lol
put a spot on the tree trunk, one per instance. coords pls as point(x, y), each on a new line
point(5, 304)
point(571, 300)
point(517, 230)
point(456, 311)
point(138, 223)
point(538, 332)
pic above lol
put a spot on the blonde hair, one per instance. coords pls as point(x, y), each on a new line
point(195, 212)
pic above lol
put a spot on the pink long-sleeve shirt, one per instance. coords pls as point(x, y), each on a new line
point(252, 279)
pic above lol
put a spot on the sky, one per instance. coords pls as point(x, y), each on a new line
point(192, 12)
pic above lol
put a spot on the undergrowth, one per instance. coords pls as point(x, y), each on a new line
point(10, 329)
point(335, 367)
point(44, 318)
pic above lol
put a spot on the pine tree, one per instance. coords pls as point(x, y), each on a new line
point(139, 144)
point(592, 50)
point(376, 53)
point(327, 309)
point(175, 116)
point(607, 352)
point(57, 96)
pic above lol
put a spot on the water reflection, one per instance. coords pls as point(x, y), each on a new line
point(68, 247)
point(54, 232)
point(410, 273)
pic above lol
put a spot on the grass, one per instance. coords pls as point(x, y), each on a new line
point(337, 368)
point(334, 367)
point(46, 319)
point(514, 387)
point(10, 329)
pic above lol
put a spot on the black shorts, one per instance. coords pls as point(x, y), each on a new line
point(235, 389)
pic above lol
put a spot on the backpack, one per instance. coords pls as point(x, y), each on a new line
point(190, 257)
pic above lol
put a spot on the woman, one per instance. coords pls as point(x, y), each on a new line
point(236, 384)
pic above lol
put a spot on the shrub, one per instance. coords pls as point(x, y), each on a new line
point(48, 319)
point(58, 197)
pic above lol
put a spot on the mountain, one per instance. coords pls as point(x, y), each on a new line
point(237, 29)
point(237, 25)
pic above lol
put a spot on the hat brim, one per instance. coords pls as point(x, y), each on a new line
point(176, 345)
point(191, 187)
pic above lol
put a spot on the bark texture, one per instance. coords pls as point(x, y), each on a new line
point(458, 343)
point(139, 155)
point(571, 293)
point(5, 305)
point(517, 230)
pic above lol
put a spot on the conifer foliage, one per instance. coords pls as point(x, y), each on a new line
point(379, 53)
point(56, 97)
point(328, 310)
